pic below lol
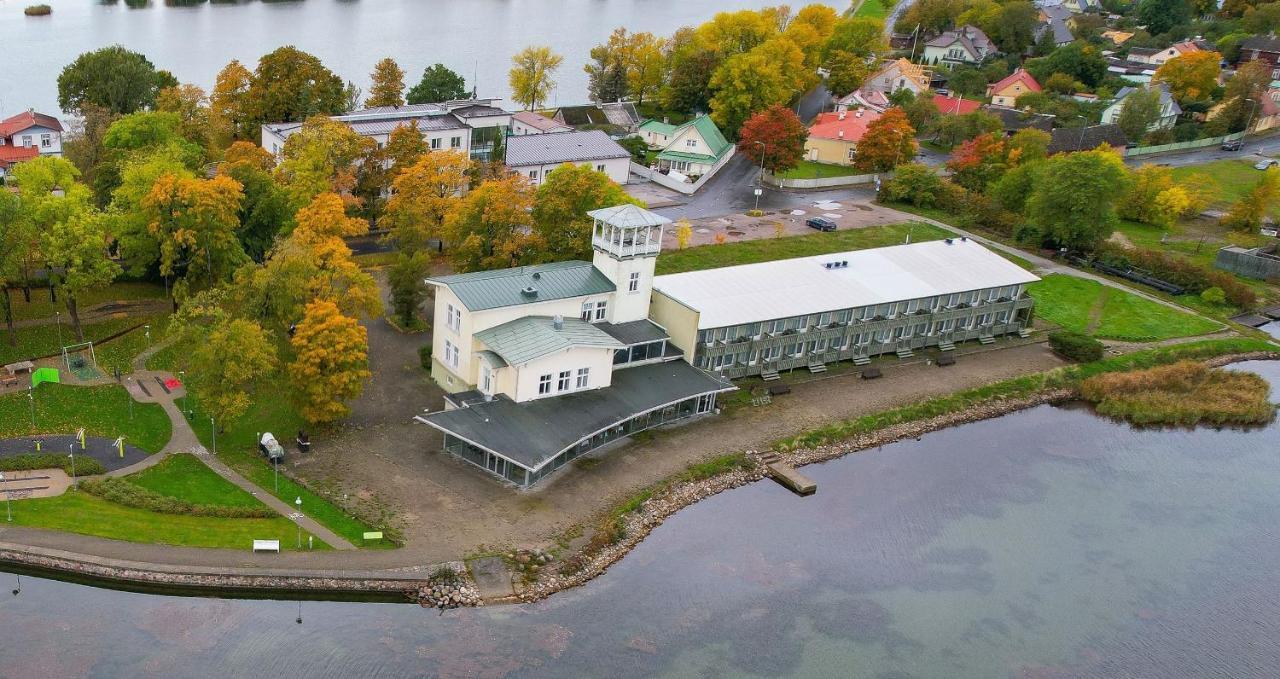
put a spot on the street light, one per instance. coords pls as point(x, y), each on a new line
point(130, 394)
point(182, 377)
point(213, 427)
point(763, 148)
point(298, 503)
point(31, 396)
point(74, 482)
point(57, 316)
point(8, 497)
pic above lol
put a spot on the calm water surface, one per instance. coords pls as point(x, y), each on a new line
point(476, 38)
point(1044, 544)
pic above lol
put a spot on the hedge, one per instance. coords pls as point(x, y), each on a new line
point(1075, 346)
point(123, 492)
point(1194, 277)
point(85, 465)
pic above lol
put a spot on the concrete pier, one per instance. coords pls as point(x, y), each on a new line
point(792, 479)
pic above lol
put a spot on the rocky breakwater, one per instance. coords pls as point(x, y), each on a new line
point(447, 589)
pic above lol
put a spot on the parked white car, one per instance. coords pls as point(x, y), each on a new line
point(1266, 163)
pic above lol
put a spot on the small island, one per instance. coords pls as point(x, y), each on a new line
point(38, 10)
point(1183, 393)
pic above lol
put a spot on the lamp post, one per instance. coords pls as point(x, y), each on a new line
point(130, 394)
point(31, 396)
point(74, 482)
point(298, 504)
point(57, 316)
point(213, 428)
point(1084, 125)
point(8, 499)
point(763, 148)
point(182, 377)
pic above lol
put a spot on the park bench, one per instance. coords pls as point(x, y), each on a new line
point(266, 546)
point(946, 360)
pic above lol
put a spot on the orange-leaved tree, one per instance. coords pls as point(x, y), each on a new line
point(331, 362)
point(492, 228)
point(423, 195)
point(774, 138)
point(888, 142)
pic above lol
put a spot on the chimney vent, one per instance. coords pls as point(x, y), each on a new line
point(557, 322)
point(529, 292)
point(841, 115)
point(840, 134)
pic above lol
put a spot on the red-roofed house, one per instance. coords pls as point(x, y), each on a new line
point(834, 137)
point(27, 135)
point(12, 155)
point(1006, 92)
point(952, 106)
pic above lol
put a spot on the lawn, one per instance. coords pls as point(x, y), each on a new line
point(41, 307)
point(769, 249)
point(101, 410)
point(238, 447)
point(1233, 177)
point(79, 512)
point(1087, 306)
point(186, 478)
point(872, 8)
point(43, 340)
point(120, 352)
point(807, 169)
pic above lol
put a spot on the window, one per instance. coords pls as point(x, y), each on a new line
point(26, 140)
point(533, 174)
point(453, 318)
point(562, 384)
point(486, 380)
point(600, 167)
point(584, 376)
point(451, 354)
point(633, 285)
point(587, 308)
point(544, 384)
point(435, 143)
point(455, 143)
point(600, 308)
point(46, 140)
point(691, 143)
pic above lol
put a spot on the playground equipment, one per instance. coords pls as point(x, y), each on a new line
point(81, 360)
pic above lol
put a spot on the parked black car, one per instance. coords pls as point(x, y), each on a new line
point(1232, 144)
point(821, 224)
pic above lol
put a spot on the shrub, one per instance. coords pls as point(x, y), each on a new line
point(122, 492)
point(445, 575)
point(1075, 346)
point(1194, 277)
point(916, 185)
point(85, 466)
point(1214, 295)
point(38, 10)
point(1186, 392)
point(424, 356)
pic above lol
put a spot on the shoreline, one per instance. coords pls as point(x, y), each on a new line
point(405, 584)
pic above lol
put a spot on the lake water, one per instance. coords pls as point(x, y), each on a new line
point(1045, 544)
point(476, 38)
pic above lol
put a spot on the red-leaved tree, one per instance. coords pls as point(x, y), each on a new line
point(777, 135)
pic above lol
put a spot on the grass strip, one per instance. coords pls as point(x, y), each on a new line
point(102, 410)
point(186, 478)
point(128, 494)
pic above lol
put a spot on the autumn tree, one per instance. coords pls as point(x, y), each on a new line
point(978, 162)
point(388, 84)
point(1028, 145)
point(112, 78)
point(1248, 213)
point(730, 33)
point(560, 209)
point(1154, 197)
point(1139, 112)
point(437, 84)
point(1073, 200)
point(231, 358)
point(190, 104)
point(331, 362)
point(265, 211)
point(859, 36)
point(1190, 77)
point(422, 197)
point(532, 76)
point(746, 83)
point(690, 66)
point(228, 112)
point(888, 141)
point(130, 224)
point(320, 157)
point(607, 70)
point(492, 227)
point(774, 138)
point(290, 85)
point(684, 233)
point(1241, 98)
point(193, 222)
point(846, 72)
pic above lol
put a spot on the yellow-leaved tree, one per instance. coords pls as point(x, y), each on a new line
point(231, 359)
point(423, 195)
point(331, 362)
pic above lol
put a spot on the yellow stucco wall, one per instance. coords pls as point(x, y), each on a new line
point(680, 322)
point(829, 151)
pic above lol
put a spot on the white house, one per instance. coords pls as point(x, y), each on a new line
point(544, 363)
point(1169, 109)
point(26, 136)
point(537, 155)
point(693, 148)
point(964, 45)
point(532, 122)
point(472, 126)
point(899, 74)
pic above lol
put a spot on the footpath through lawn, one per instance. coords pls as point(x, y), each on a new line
point(1087, 306)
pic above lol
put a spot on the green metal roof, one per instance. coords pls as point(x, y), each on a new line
point(525, 339)
point(681, 155)
point(710, 134)
point(482, 290)
point(658, 126)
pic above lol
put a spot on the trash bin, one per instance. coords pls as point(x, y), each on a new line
point(304, 442)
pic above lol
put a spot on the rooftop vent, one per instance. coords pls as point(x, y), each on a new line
point(537, 275)
point(533, 292)
point(947, 241)
point(557, 322)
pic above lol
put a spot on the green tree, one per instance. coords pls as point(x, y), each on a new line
point(265, 211)
point(1014, 26)
point(1140, 110)
point(560, 209)
point(744, 84)
point(492, 227)
point(438, 84)
point(320, 157)
point(138, 250)
point(112, 78)
point(532, 76)
point(1073, 202)
point(1081, 61)
point(689, 70)
point(290, 85)
point(860, 36)
point(607, 70)
point(407, 287)
point(846, 72)
point(1159, 16)
point(230, 360)
point(388, 84)
point(16, 237)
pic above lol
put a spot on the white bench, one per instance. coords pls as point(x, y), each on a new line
point(266, 546)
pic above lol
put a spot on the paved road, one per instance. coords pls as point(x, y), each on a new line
point(1253, 149)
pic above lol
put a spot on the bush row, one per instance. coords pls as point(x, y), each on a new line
point(122, 492)
point(1075, 346)
point(1194, 277)
point(85, 466)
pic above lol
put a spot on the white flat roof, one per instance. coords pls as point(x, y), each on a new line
point(791, 287)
